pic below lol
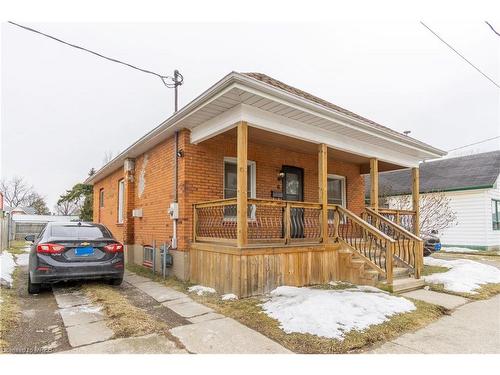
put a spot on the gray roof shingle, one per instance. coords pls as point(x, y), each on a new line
point(460, 173)
point(303, 94)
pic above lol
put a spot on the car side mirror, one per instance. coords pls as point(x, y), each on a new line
point(30, 238)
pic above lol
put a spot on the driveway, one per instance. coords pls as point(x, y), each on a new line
point(64, 320)
point(471, 328)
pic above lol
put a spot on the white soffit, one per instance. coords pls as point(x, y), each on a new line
point(278, 116)
point(237, 97)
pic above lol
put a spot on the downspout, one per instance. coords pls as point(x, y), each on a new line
point(178, 79)
point(176, 187)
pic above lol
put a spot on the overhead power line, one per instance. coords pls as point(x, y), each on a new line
point(459, 54)
point(165, 79)
point(475, 143)
point(491, 27)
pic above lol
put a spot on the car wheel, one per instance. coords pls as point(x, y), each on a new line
point(116, 281)
point(33, 288)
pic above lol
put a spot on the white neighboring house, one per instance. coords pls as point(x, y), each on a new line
point(472, 184)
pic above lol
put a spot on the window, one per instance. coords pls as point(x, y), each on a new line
point(148, 256)
point(79, 232)
point(336, 190)
point(230, 184)
point(101, 198)
point(495, 214)
point(121, 196)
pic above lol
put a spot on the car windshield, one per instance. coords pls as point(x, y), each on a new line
point(79, 232)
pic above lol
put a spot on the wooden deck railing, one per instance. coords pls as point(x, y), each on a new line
point(408, 248)
point(278, 222)
point(269, 221)
point(215, 221)
point(365, 239)
point(403, 218)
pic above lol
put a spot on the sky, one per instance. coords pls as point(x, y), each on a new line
point(63, 110)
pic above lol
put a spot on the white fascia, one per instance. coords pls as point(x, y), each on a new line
point(265, 120)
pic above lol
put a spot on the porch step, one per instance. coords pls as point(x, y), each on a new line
point(407, 284)
point(400, 273)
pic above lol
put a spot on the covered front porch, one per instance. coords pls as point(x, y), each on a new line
point(296, 220)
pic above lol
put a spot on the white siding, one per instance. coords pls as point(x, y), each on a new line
point(474, 226)
point(493, 236)
point(472, 220)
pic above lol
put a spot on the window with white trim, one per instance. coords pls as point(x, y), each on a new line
point(101, 198)
point(121, 198)
point(495, 214)
point(231, 184)
point(336, 190)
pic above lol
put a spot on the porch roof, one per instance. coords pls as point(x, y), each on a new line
point(274, 106)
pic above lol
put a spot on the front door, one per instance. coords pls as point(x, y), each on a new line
point(293, 190)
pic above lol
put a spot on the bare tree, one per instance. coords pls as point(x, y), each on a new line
point(16, 192)
point(435, 210)
point(66, 208)
point(108, 156)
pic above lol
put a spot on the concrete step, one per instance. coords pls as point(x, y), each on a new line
point(407, 284)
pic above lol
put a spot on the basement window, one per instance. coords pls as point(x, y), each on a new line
point(148, 256)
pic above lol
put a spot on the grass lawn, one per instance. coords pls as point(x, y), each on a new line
point(248, 312)
point(124, 319)
point(428, 270)
point(486, 291)
point(17, 247)
point(9, 311)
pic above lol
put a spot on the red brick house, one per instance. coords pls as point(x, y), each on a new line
point(258, 184)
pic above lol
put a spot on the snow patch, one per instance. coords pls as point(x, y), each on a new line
point(88, 309)
point(7, 266)
point(229, 297)
point(458, 250)
point(464, 275)
point(331, 313)
point(201, 290)
point(22, 259)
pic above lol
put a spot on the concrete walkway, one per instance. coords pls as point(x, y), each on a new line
point(85, 323)
point(471, 328)
point(447, 301)
point(209, 332)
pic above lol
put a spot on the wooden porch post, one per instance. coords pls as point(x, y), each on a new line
point(415, 172)
point(374, 184)
point(323, 188)
point(241, 193)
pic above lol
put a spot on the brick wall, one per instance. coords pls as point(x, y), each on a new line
point(201, 169)
point(201, 179)
point(154, 191)
point(108, 215)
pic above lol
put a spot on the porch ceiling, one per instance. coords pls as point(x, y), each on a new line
point(297, 145)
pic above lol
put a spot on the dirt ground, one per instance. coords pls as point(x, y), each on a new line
point(42, 327)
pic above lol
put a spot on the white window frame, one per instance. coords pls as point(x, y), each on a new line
point(121, 200)
point(253, 183)
point(343, 192)
point(101, 197)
